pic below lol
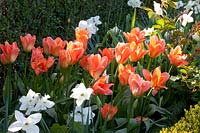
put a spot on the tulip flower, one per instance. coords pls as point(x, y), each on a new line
point(177, 58)
point(38, 63)
point(53, 46)
point(76, 51)
point(84, 62)
point(108, 111)
point(137, 85)
point(135, 35)
point(64, 58)
point(156, 46)
point(157, 79)
point(82, 35)
point(28, 42)
point(97, 64)
point(137, 53)
point(122, 52)
point(9, 52)
point(109, 52)
point(124, 73)
point(102, 87)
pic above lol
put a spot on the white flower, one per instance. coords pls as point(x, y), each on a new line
point(80, 93)
point(196, 37)
point(134, 3)
point(186, 18)
point(28, 102)
point(43, 103)
point(179, 4)
point(157, 8)
point(90, 25)
point(149, 31)
point(26, 124)
point(189, 5)
point(35, 102)
point(83, 115)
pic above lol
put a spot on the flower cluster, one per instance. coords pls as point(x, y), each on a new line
point(34, 102)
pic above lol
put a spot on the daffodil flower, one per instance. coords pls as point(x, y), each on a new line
point(26, 124)
point(134, 3)
point(90, 25)
point(83, 115)
point(81, 93)
point(43, 103)
point(186, 18)
point(157, 8)
point(28, 102)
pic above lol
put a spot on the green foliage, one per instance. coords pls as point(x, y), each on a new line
point(57, 17)
point(188, 124)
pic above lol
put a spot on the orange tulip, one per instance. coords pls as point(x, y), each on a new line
point(76, 50)
point(96, 65)
point(135, 35)
point(156, 46)
point(53, 46)
point(137, 52)
point(38, 63)
point(109, 52)
point(28, 42)
point(108, 111)
point(177, 58)
point(124, 73)
point(157, 79)
point(102, 87)
point(82, 35)
point(137, 85)
point(84, 62)
point(64, 58)
point(10, 52)
point(122, 52)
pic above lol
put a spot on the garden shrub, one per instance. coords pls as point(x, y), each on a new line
point(188, 124)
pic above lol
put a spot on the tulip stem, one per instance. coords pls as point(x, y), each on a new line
point(7, 95)
point(148, 67)
point(25, 69)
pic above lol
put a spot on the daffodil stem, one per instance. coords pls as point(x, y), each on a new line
point(133, 18)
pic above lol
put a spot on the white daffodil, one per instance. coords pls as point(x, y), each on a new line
point(157, 8)
point(35, 102)
point(196, 37)
point(28, 102)
point(190, 4)
point(149, 31)
point(43, 103)
point(26, 124)
point(186, 18)
point(81, 93)
point(90, 25)
point(134, 3)
point(83, 115)
point(179, 4)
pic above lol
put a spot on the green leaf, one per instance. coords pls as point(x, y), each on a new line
point(20, 84)
point(56, 128)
